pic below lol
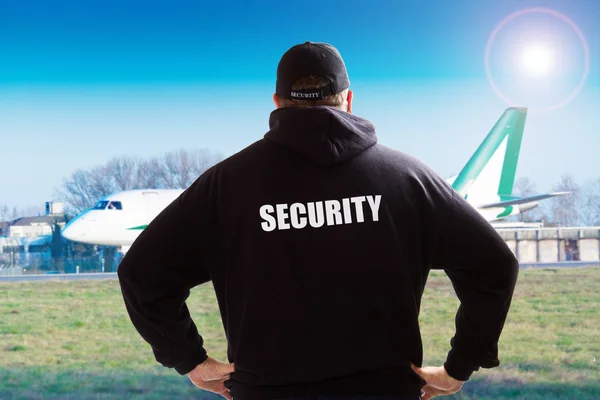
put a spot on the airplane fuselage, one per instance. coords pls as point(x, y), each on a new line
point(118, 219)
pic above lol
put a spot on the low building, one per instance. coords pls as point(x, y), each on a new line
point(30, 227)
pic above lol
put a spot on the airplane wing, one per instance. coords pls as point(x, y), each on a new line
point(523, 200)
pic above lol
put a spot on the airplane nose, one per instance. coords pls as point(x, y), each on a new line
point(75, 230)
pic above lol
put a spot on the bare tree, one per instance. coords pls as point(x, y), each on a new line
point(564, 210)
point(182, 167)
point(79, 191)
point(103, 181)
point(202, 160)
point(124, 171)
point(150, 174)
point(4, 213)
point(524, 187)
point(173, 170)
point(590, 204)
point(177, 169)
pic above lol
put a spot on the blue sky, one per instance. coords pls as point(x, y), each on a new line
point(81, 82)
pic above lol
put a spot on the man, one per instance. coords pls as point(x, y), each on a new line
point(318, 242)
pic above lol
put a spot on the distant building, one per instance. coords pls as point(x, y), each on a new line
point(55, 208)
point(29, 227)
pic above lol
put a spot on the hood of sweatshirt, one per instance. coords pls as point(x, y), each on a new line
point(323, 135)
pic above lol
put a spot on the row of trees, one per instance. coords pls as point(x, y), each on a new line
point(581, 207)
point(10, 214)
point(173, 170)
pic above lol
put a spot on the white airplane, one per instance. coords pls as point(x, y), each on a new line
point(486, 182)
point(118, 219)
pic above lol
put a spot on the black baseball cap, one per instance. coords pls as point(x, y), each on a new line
point(321, 59)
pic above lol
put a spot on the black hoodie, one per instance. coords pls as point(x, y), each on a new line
point(318, 242)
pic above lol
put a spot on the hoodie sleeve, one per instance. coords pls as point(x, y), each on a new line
point(170, 257)
point(483, 272)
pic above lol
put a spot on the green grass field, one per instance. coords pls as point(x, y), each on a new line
point(73, 340)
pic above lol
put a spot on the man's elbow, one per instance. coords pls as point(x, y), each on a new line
point(511, 267)
point(515, 269)
point(124, 270)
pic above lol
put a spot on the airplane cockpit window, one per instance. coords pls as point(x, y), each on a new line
point(101, 205)
point(115, 205)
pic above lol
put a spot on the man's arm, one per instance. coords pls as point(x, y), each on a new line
point(483, 271)
point(168, 259)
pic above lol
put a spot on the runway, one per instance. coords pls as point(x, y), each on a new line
point(59, 277)
point(113, 275)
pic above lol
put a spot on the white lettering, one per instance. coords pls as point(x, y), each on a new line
point(270, 223)
point(305, 95)
point(332, 210)
point(358, 207)
point(374, 206)
point(347, 211)
point(317, 213)
point(282, 215)
point(295, 210)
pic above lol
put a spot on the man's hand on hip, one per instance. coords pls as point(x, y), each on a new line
point(210, 376)
point(439, 383)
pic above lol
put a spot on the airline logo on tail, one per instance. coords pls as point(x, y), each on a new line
point(490, 172)
point(487, 180)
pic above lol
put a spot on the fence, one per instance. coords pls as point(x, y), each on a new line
point(38, 263)
point(545, 245)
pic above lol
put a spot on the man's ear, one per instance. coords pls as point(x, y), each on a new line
point(350, 97)
point(276, 100)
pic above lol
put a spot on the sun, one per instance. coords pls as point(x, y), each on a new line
point(537, 60)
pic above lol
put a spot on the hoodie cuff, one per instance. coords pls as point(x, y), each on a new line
point(197, 357)
point(459, 367)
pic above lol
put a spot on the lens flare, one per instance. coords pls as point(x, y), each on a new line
point(536, 60)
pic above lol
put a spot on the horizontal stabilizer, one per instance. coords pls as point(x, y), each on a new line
point(524, 200)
